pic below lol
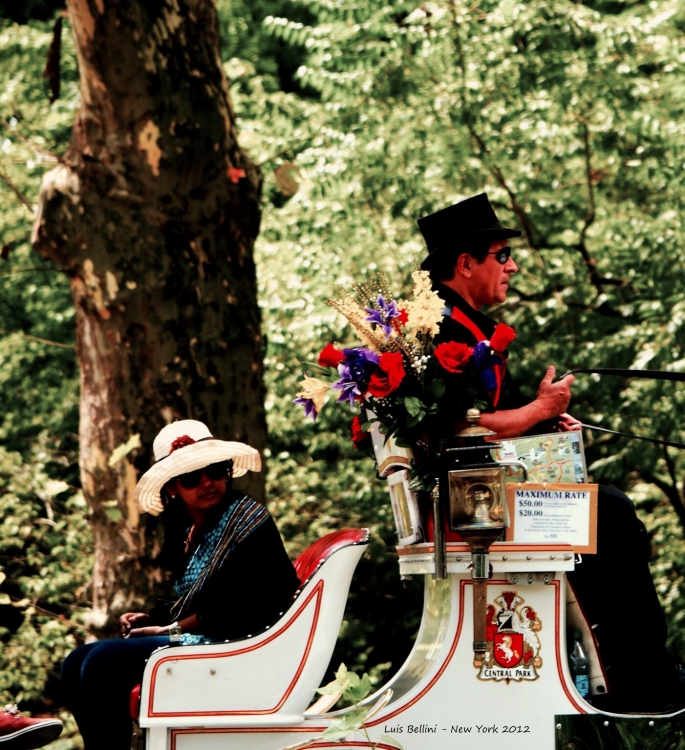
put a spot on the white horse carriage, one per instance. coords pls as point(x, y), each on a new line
point(489, 668)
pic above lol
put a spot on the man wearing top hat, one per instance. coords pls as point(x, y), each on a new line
point(470, 264)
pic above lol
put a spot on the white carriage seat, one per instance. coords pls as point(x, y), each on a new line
point(266, 678)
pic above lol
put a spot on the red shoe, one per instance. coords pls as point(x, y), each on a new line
point(19, 733)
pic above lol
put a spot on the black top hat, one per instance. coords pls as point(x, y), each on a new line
point(457, 228)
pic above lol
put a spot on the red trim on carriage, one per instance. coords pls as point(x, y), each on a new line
point(307, 563)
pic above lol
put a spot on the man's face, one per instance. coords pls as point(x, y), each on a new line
point(489, 282)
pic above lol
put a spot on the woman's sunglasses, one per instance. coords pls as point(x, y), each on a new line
point(192, 479)
point(502, 255)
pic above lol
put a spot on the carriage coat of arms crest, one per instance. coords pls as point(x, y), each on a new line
point(513, 640)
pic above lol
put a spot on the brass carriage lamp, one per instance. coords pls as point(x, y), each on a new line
point(473, 495)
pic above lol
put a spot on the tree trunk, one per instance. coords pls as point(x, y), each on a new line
point(153, 215)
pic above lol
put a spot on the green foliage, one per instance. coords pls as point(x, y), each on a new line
point(45, 540)
point(38, 387)
point(352, 689)
point(40, 10)
point(45, 565)
point(240, 27)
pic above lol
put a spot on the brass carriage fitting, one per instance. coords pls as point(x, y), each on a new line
point(472, 496)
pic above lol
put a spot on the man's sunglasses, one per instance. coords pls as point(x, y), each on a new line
point(502, 255)
point(192, 479)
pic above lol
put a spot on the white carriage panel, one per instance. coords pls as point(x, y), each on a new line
point(244, 739)
point(265, 680)
point(254, 679)
point(453, 708)
point(157, 739)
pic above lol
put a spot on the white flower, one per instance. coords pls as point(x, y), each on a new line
point(424, 312)
point(315, 390)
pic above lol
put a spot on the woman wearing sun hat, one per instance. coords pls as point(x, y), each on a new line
point(230, 572)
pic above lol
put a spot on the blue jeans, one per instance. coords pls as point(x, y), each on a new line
point(97, 680)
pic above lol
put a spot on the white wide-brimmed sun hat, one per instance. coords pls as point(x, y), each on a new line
point(185, 446)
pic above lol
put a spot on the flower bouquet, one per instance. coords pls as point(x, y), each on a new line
point(415, 386)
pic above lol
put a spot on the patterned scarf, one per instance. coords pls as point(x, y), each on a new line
point(238, 521)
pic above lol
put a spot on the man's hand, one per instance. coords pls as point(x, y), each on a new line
point(552, 401)
point(567, 423)
point(553, 398)
point(131, 619)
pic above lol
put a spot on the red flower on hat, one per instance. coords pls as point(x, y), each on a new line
point(453, 356)
point(329, 356)
point(388, 376)
point(502, 336)
point(181, 442)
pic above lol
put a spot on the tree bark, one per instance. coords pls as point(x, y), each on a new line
point(152, 214)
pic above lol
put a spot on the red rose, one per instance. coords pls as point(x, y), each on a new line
point(388, 376)
point(358, 435)
point(453, 356)
point(502, 336)
point(329, 356)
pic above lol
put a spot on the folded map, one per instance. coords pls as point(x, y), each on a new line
point(554, 457)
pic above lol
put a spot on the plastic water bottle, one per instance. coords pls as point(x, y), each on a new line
point(580, 666)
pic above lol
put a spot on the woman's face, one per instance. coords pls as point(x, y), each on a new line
point(205, 494)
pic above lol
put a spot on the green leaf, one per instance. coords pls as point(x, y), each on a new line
point(312, 368)
point(391, 739)
point(401, 443)
point(358, 692)
point(481, 405)
point(114, 514)
point(437, 388)
point(344, 679)
point(413, 405)
point(124, 449)
point(351, 721)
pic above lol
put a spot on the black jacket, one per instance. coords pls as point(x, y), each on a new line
point(250, 590)
point(452, 330)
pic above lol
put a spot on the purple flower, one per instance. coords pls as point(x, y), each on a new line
point(309, 408)
point(358, 365)
point(354, 372)
point(482, 356)
point(483, 360)
point(347, 385)
point(382, 314)
point(349, 391)
point(487, 378)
